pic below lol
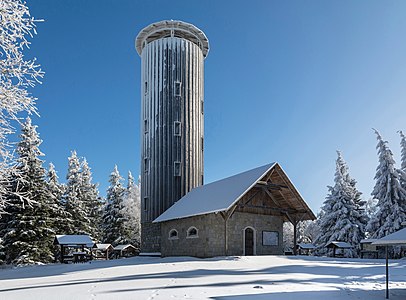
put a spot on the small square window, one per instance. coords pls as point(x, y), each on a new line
point(177, 90)
point(176, 168)
point(177, 129)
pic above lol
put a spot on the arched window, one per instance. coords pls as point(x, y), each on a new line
point(173, 234)
point(192, 232)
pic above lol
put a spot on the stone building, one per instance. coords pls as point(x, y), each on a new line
point(239, 215)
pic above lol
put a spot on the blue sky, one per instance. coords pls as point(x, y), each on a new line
point(286, 81)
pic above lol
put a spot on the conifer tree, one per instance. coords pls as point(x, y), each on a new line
point(115, 231)
point(80, 223)
point(26, 228)
point(132, 210)
point(60, 217)
point(344, 218)
point(389, 193)
point(89, 195)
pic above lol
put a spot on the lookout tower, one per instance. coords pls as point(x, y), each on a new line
point(172, 97)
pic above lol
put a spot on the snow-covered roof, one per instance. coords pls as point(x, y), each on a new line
point(367, 241)
point(123, 247)
point(74, 239)
point(168, 28)
point(396, 238)
point(221, 195)
point(214, 197)
point(306, 246)
point(103, 246)
point(339, 245)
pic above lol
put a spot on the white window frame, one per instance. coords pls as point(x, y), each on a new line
point(175, 163)
point(195, 236)
point(173, 237)
point(177, 88)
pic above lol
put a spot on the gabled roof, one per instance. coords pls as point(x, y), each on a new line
point(214, 197)
point(221, 195)
point(306, 246)
point(339, 245)
point(367, 241)
point(103, 246)
point(123, 247)
point(73, 240)
point(396, 238)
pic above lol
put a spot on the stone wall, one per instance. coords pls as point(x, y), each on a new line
point(150, 237)
point(210, 240)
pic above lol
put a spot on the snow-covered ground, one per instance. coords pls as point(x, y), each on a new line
point(261, 277)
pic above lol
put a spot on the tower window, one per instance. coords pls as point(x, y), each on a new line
point(145, 125)
point(146, 164)
point(177, 90)
point(177, 129)
point(202, 143)
point(176, 168)
point(146, 203)
point(145, 87)
point(202, 106)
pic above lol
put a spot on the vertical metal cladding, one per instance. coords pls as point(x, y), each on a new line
point(171, 117)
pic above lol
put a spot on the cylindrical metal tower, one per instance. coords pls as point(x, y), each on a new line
point(172, 55)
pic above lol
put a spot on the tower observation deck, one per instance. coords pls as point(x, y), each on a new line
point(172, 124)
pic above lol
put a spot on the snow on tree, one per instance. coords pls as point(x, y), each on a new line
point(132, 210)
point(16, 75)
point(89, 195)
point(60, 217)
point(403, 151)
point(307, 231)
point(114, 219)
point(371, 207)
point(344, 218)
point(80, 222)
point(287, 236)
point(389, 192)
point(26, 228)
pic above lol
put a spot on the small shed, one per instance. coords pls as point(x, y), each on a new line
point(368, 249)
point(305, 248)
point(74, 248)
point(393, 239)
point(127, 250)
point(338, 245)
point(102, 251)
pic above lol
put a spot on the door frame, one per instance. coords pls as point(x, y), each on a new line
point(254, 240)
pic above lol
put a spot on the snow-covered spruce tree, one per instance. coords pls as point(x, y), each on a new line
point(307, 231)
point(114, 219)
point(132, 210)
point(344, 218)
point(89, 195)
point(389, 193)
point(17, 74)
point(27, 226)
point(402, 170)
point(80, 223)
point(60, 217)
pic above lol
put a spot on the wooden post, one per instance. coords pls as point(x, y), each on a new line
point(387, 273)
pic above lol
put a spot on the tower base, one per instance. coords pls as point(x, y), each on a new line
point(150, 237)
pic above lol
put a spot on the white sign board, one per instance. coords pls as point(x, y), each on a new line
point(270, 238)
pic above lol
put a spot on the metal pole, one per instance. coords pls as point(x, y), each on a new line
point(387, 273)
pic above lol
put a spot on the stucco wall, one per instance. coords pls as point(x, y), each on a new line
point(210, 240)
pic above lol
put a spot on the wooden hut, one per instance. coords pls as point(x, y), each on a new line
point(368, 249)
point(102, 251)
point(127, 250)
point(74, 248)
point(338, 245)
point(305, 248)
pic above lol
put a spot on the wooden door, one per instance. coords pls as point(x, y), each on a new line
point(249, 241)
